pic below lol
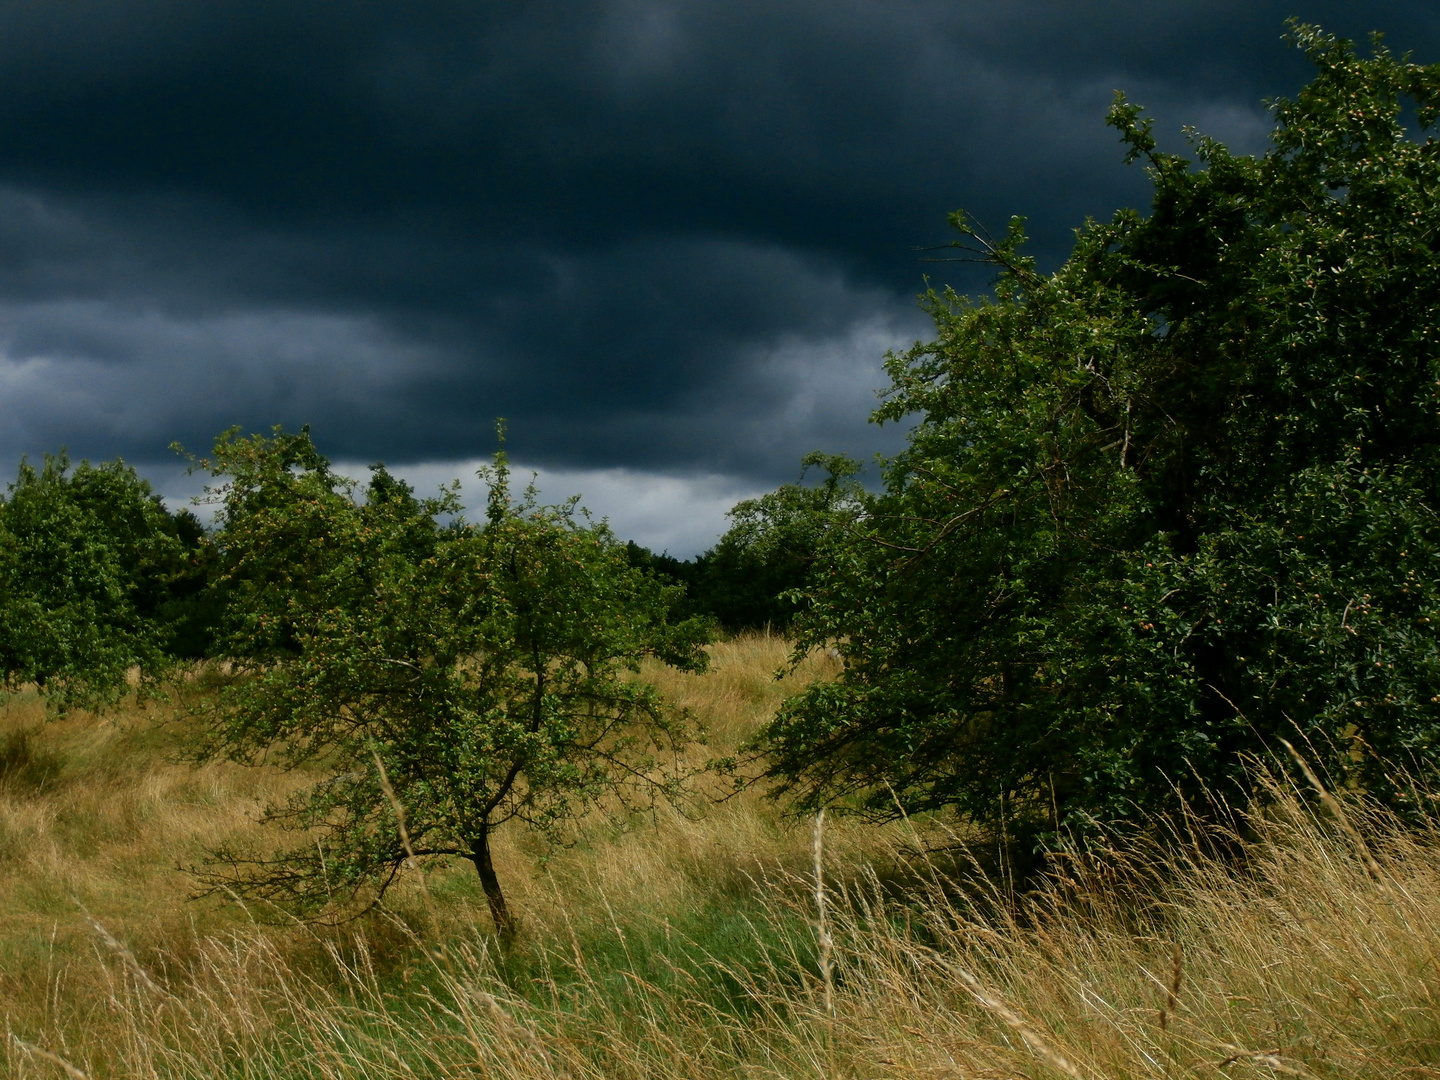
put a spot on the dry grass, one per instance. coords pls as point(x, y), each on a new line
point(687, 946)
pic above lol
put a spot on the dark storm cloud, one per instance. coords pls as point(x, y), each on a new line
point(674, 237)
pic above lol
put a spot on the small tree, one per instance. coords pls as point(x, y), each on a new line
point(90, 565)
point(1166, 506)
point(753, 576)
point(487, 668)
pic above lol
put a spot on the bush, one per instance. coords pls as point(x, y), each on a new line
point(1165, 506)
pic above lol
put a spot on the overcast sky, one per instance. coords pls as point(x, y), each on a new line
point(669, 241)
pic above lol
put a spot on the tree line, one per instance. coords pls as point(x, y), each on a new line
point(1162, 511)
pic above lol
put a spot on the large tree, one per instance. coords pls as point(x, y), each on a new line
point(1168, 504)
point(440, 679)
point(94, 573)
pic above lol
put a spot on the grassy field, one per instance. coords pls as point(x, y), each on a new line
point(698, 945)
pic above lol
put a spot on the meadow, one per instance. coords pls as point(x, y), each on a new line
point(720, 939)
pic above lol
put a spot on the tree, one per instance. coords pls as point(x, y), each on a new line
point(1167, 505)
point(482, 673)
point(91, 564)
point(753, 576)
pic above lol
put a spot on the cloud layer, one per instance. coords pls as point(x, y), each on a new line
point(665, 239)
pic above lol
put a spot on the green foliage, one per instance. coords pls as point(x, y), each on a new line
point(487, 669)
point(91, 569)
point(753, 577)
point(1167, 505)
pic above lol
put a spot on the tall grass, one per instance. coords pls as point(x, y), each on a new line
point(690, 945)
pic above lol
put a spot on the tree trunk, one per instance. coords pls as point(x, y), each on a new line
point(480, 856)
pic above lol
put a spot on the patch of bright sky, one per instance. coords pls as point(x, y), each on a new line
point(683, 515)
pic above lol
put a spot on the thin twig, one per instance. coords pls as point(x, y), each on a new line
point(823, 939)
point(1172, 992)
point(119, 949)
point(1014, 1021)
point(45, 1055)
